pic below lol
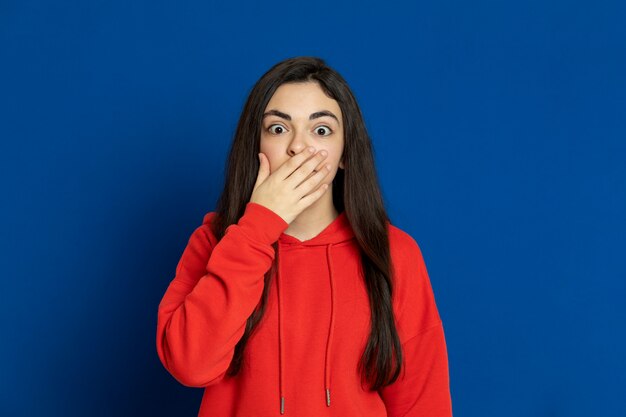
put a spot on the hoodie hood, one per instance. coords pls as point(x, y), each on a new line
point(338, 231)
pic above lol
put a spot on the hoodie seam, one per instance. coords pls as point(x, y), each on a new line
point(424, 330)
point(303, 245)
point(182, 262)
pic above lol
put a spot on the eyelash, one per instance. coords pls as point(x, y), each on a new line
point(269, 128)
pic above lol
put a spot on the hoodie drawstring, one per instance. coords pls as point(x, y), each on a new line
point(329, 340)
point(280, 342)
point(330, 327)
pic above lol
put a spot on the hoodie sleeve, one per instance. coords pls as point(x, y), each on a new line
point(423, 386)
point(217, 286)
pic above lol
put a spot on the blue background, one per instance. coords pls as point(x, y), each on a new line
point(500, 140)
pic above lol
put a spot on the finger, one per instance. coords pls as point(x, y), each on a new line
point(289, 166)
point(307, 200)
point(314, 180)
point(304, 171)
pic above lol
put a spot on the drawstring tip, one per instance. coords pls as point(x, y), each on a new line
point(328, 397)
point(282, 405)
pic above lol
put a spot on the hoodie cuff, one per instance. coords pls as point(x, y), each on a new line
point(262, 224)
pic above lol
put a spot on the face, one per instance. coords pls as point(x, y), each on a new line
point(293, 120)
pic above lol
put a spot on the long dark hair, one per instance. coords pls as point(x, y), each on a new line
point(355, 190)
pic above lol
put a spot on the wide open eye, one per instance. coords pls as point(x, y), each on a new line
point(326, 128)
point(278, 127)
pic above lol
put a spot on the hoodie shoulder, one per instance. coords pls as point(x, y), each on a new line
point(413, 297)
point(204, 232)
point(401, 242)
point(208, 217)
point(406, 254)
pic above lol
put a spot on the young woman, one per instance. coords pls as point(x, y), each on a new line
point(297, 289)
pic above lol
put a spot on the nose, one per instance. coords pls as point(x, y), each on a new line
point(298, 143)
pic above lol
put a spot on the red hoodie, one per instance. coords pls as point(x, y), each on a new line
point(302, 358)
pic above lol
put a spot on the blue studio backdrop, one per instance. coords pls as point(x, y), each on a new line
point(499, 131)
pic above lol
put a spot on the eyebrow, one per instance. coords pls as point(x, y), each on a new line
point(311, 117)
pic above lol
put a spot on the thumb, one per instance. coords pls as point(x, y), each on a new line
point(263, 170)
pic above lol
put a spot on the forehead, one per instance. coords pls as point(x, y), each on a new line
point(301, 99)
